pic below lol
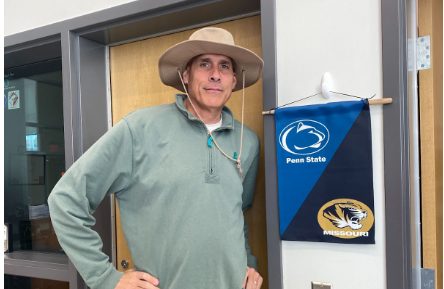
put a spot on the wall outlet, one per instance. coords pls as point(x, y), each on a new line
point(321, 285)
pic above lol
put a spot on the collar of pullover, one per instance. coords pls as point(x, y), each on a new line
point(227, 114)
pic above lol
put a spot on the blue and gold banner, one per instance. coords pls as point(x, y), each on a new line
point(325, 177)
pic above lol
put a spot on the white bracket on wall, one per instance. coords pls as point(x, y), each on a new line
point(326, 85)
point(423, 53)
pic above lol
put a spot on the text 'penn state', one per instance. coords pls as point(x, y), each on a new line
point(307, 160)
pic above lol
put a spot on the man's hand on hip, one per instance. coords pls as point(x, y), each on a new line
point(252, 279)
point(134, 280)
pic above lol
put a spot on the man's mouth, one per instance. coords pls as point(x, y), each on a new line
point(213, 89)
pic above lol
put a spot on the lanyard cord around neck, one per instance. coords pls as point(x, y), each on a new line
point(238, 158)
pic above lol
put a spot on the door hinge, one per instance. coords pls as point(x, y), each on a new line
point(423, 54)
point(427, 278)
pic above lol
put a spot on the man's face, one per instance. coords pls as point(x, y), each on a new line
point(210, 79)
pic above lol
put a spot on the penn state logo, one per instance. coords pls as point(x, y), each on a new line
point(346, 218)
point(304, 137)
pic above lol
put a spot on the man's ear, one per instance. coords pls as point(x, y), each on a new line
point(234, 80)
point(185, 76)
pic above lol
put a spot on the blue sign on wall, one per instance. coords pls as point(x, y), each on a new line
point(325, 173)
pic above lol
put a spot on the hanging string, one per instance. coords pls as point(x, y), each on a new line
point(353, 95)
point(321, 93)
point(295, 101)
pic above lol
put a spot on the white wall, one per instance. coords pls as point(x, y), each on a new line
point(342, 37)
point(21, 15)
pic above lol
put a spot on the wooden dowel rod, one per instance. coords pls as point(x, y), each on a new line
point(371, 102)
point(380, 101)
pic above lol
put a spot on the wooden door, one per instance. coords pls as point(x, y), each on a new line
point(430, 19)
point(136, 83)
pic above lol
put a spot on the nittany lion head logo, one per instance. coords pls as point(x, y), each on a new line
point(345, 218)
point(345, 215)
point(304, 137)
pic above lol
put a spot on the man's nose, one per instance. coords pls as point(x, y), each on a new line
point(215, 74)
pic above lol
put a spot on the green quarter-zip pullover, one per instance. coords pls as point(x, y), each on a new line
point(181, 200)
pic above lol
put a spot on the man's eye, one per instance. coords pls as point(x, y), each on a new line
point(225, 66)
point(204, 64)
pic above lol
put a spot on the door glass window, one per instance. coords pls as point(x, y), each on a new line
point(34, 154)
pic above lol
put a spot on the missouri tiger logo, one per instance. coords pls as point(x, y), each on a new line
point(345, 218)
point(345, 215)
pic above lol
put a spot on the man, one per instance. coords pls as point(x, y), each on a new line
point(182, 174)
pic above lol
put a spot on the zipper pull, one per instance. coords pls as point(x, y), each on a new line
point(209, 142)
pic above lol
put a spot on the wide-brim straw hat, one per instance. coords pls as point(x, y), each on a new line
point(210, 40)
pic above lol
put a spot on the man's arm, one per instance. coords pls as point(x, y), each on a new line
point(252, 278)
point(247, 201)
point(251, 259)
point(104, 169)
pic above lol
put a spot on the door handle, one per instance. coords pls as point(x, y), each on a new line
point(124, 263)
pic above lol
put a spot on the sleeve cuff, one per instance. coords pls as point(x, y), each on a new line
point(252, 262)
point(110, 280)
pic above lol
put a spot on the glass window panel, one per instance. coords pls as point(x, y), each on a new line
point(19, 282)
point(34, 152)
